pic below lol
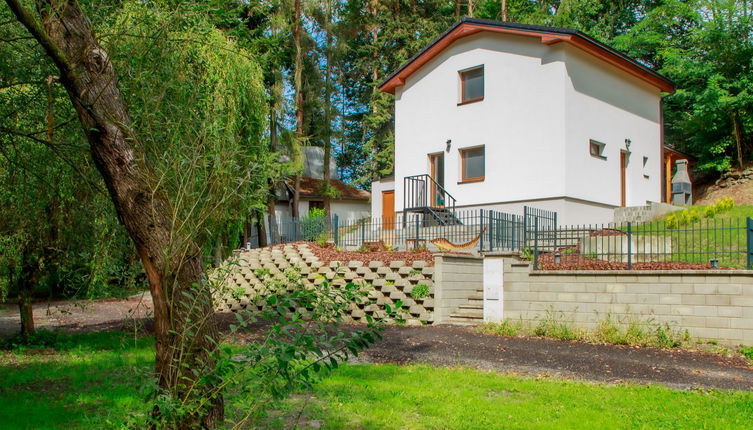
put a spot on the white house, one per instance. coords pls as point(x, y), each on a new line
point(350, 204)
point(499, 115)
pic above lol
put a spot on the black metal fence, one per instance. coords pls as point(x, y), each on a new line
point(702, 244)
point(472, 230)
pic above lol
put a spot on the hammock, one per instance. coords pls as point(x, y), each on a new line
point(445, 245)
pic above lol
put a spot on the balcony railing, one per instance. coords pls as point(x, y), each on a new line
point(422, 192)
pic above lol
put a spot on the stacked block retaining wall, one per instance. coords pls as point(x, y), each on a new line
point(709, 304)
point(388, 282)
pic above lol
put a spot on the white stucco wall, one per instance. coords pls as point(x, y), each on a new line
point(344, 209)
point(541, 106)
point(351, 209)
point(377, 187)
point(609, 105)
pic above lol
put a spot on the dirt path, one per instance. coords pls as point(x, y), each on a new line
point(463, 346)
point(80, 315)
point(454, 346)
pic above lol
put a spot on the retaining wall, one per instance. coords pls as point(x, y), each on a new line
point(709, 304)
point(456, 278)
point(387, 282)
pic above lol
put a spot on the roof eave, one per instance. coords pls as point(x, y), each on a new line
point(547, 35)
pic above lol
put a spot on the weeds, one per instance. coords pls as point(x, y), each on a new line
point(608, 330)
point(420, 291)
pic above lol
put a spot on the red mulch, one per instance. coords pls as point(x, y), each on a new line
point(329, 254)
point(575, 261)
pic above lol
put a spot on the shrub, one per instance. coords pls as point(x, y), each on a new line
point(314, 225)
point(747, 351)
point(672, 221)
point(420, 291)
point(694, 214)
point(709, 211)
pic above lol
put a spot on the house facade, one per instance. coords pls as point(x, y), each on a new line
point(350, 203)
point(496, 115)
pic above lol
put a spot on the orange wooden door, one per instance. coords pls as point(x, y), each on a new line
point(388, 210)
point(623, 166)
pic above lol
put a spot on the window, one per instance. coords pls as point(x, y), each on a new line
point(472, 164)
point(645, 163)
point(472, 85)
point(316, 204)
point(596, 149)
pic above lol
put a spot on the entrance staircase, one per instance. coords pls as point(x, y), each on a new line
point(472, 312)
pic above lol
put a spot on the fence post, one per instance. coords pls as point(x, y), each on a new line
point(418, 220)
point(363, 232)
point(630, 245)
point(491, 230)
point(555, 232)
point(525, 226)
point(336, 229)
point(481, 230)
point(749, 224)
point(536, 244)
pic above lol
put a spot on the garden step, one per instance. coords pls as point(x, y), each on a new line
point(472, 307)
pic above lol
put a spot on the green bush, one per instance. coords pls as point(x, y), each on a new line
point(314, 225)
point(747, 351)
point(709, 211)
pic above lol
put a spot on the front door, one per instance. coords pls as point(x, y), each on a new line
point(436, 163)
point(623, 168)
point(388, 210)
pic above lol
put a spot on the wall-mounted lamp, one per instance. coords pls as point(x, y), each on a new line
point(627, 143)
point(449, 143)
point(714, 263)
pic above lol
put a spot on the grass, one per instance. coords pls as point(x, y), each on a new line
point(89, 381)
point(722, 236)
point(92, 381)
point(427, 397)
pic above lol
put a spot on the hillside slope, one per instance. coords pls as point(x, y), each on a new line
point(735, 183)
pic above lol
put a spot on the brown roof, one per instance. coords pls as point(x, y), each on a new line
point(311, 187)
point(547, 35)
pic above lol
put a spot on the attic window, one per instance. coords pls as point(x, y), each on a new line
point(596, 149)
point(472, 85)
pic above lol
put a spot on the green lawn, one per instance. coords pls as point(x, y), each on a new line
point(722, 236)
point(94, 383)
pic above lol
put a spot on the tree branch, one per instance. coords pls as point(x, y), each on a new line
point(27, 19)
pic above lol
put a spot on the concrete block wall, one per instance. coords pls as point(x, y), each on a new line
point(456, 277)
point(388, 282)
point(709, 304)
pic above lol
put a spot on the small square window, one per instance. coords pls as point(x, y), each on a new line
point(596, 149)
point(472, 164)
point(472, 85)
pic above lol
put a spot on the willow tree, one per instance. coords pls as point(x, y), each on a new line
point(173, 114)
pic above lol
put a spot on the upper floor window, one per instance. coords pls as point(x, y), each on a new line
point(472, 164)
point(472, 85)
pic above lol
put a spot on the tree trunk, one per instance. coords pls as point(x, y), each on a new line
point(470, 8)
point(298, 78)
point(261, 231)
point(739, 137)
point(503, 10)
point(27, 281)
point(457, 10)
point(327, 110)
point(184, 328)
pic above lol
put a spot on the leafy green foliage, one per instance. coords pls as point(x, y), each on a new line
point(420, 291)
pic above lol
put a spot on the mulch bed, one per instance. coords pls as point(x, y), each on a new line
point(329, 254)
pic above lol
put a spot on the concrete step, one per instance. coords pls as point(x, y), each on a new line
point(472, 307)
point(463, 319)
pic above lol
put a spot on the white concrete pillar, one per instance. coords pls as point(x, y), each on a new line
point(493, 288)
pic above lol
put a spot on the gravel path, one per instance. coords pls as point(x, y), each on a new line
point(453, 346)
